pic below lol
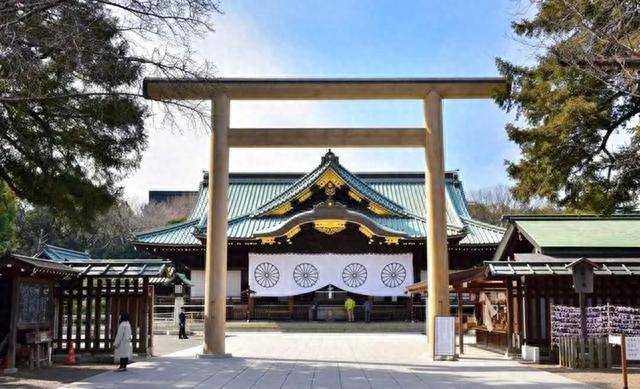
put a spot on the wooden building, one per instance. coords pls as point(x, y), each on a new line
point(62, 296)
point(298, 238)
point(532, 259)
point(27, 306)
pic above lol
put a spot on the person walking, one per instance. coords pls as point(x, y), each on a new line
point(182, 323)
point(349, 305)
point(122, 343)
point(367, 310)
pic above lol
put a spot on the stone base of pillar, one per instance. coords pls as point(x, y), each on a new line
point(449, 358)
point(212, 356)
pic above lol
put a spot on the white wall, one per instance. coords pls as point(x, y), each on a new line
point(233, 283)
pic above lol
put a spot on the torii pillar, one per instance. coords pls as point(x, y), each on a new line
point(437, 254)
point(215, 290)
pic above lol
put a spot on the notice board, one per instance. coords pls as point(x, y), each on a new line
point(633, 348)
point(445, 336)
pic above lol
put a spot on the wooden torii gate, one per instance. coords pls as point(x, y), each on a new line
point(222, 90)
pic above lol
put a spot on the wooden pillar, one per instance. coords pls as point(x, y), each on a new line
point(144, 322)
point(97, 322)
point(290, 307)
point(152, 300)
point(216, 256)
point(460, 323)
point(88, 308)
point(13, 326)
point(437, 260)
point(509, 315)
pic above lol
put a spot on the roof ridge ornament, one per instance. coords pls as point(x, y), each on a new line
point(330, 157)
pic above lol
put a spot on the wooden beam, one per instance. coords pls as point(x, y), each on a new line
point(326, 137)
point(321, 89)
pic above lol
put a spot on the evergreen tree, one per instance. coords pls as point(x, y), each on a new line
point(579, 105)
point(71, 110)
point(7, 217)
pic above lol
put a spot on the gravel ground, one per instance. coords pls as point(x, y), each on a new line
point(52, 377)
point(608, 379)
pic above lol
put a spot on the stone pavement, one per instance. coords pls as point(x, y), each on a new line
point(276, 360)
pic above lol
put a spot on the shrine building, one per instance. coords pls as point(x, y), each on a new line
point(295, 239)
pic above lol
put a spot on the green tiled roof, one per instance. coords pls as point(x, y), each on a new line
point(180, 234)
point(55, 253)
point(251, 196)
point(583, 232)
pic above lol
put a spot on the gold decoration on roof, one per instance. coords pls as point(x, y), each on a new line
point(294, 231)
point(392, 240)
point(268, 240)
point(330, 190)
point(304, 196)
point(281, 210)
point(330, 176)
point(329, 226)
point(378, 210)
point(354, 196)
point(367, 232)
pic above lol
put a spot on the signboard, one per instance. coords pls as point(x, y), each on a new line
point(34, 303)
point(633, 348)
point(445, 336)
point(615, 339)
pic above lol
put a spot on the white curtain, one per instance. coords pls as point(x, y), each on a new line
point(275, 275)
point(488, 311)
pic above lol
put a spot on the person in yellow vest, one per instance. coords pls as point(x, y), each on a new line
point(349, 305)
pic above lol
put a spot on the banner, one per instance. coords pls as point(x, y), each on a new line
point(278, 275)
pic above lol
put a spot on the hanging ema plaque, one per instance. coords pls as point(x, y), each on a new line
point(445, 337)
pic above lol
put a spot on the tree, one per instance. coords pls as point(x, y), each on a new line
point(491, 204)
point(578, 105)
point(71, 110)
point(110, 236)
point(7, 217)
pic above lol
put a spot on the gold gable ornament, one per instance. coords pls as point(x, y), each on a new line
point(330, 227)
point(330, 176)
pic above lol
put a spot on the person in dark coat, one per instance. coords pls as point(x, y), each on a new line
point(182, 322)
point(367, 310)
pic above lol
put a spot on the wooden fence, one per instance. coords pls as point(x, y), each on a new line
point(88, 310)
point(575, 352)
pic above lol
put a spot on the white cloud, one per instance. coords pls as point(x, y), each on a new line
point(175, 160)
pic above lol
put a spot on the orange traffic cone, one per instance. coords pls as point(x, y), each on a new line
point(71, 356)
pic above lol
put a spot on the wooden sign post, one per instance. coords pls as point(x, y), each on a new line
point(630, 350)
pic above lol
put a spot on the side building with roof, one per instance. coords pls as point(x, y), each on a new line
point(292, 238)
point(534, 260)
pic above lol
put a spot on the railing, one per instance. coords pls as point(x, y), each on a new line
point(195, 313)
point(575, 352)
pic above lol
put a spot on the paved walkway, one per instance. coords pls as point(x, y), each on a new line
point(273, 360)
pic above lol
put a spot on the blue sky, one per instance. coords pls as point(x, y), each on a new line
point(350, 38)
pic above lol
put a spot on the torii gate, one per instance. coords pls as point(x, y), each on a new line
point(221, 90)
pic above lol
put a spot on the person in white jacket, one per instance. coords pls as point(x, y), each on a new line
point(122, 343)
